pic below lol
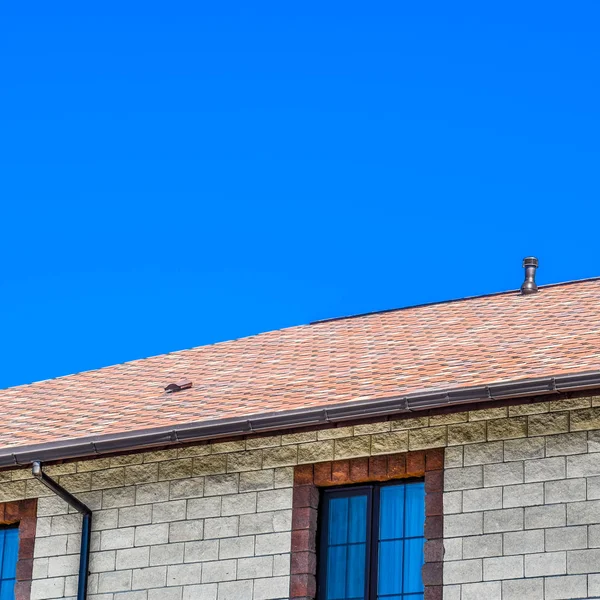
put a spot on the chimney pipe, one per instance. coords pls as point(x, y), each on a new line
point(530, 264)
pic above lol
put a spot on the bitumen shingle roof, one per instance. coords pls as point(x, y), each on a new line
point(474, 341)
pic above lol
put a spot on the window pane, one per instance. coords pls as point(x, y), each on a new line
point(345, 549)
point(391, 510)
point(356, 572)
point(415, 509)
point(390, 568)
point(338, 520)
point(358, 519)
point(11, 549)
point(337, 566)
point(413, 563)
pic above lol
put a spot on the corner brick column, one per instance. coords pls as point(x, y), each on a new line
point(428, 464)
point(24, 514)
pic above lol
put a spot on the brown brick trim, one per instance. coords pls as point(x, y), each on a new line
point(23, 512)
point(428, 464)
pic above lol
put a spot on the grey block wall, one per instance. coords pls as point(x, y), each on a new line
point(522, 519)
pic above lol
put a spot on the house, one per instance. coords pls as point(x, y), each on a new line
point(449, 450)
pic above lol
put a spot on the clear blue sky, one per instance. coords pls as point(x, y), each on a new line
point(178, 173)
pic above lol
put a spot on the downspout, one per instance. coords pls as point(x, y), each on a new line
point(86, 526)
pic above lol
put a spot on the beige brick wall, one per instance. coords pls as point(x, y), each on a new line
point(213, 521)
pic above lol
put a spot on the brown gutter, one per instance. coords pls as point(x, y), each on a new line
point(304, 417)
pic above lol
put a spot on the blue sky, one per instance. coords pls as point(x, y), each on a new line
point(178, 173)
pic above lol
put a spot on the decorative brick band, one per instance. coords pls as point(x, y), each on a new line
point(24, 514)
point(428, 464)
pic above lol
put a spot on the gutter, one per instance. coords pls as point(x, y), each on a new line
point(86, 525)
point(93, 446)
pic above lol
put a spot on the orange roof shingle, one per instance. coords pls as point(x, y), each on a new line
point(475, 341)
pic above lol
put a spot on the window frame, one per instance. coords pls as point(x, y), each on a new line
point(372, 542)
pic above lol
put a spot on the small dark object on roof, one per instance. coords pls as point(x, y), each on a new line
point(182, 384)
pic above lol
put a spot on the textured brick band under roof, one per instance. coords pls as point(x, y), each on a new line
point(475, 341)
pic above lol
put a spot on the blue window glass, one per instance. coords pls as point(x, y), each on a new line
point(9, 548)
point(372, 540)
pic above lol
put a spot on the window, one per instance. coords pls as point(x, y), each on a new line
point(9, 548)
point(372, 539)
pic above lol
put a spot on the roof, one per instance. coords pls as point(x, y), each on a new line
point(483, 340)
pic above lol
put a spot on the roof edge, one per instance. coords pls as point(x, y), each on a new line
point(451, 301)
point(95, 446)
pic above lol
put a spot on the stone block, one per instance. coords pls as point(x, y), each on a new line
point(388, 443)
point(152, 492)
point(244, 461)
point(585, 419)
point(507, 429)
point(175, 469)
point(133, 558)
point(466, 433)
point(524, 449)
point(533, 408)
point(228, 447)
point(186, 488)
point(135, 515)
point(452, 502)
point(421, 439)
point(201, 551)
point(594, 586)
point(548, 424)
point(221, 484)
point(566, 587)
point(172, 593)
point(222, 570)
point(187, 574)
point(508, 519)
point(220, 527)
point(201, 508)
point(50, 546)
point(523, 589)
point(463, 478)
point(281, 564)
point(352, 447)
point(583, 465)
point(545, 563)
point(482, 499)
point(209, 465)
point(453, 457)
point(149, 577)
point(267, 522)
point(528, 494)
point(582, 513)
point(114, 581)
point(566, 538)
point(502, 567)
point(453, 549)
point(565, 444)
point(166, 554)
point(148, 535)
point(118, 497)
point(488, 414)
point(257, 480)
point(523, 542)
point(583, 561)
point(185, 531)
point(137, 474)
point(113, 539)
point(315, 452)
point(280, 457)
point(273, 543)
point(43, 589)
point(238, 504)
point(565, 490)
point(482, 546)
point(255, 567)
point(463, 524)
point(490, 590)
point(545, 469)
point(167, 512)
point(234, 590)
point(275, 499)
point(503, 474)
point(539, 517)
point(237, 547)
point(63, 565)
point(463, 571)
point(410, 423)
point(263, 442)
point(482, 454)
point(271, 588)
